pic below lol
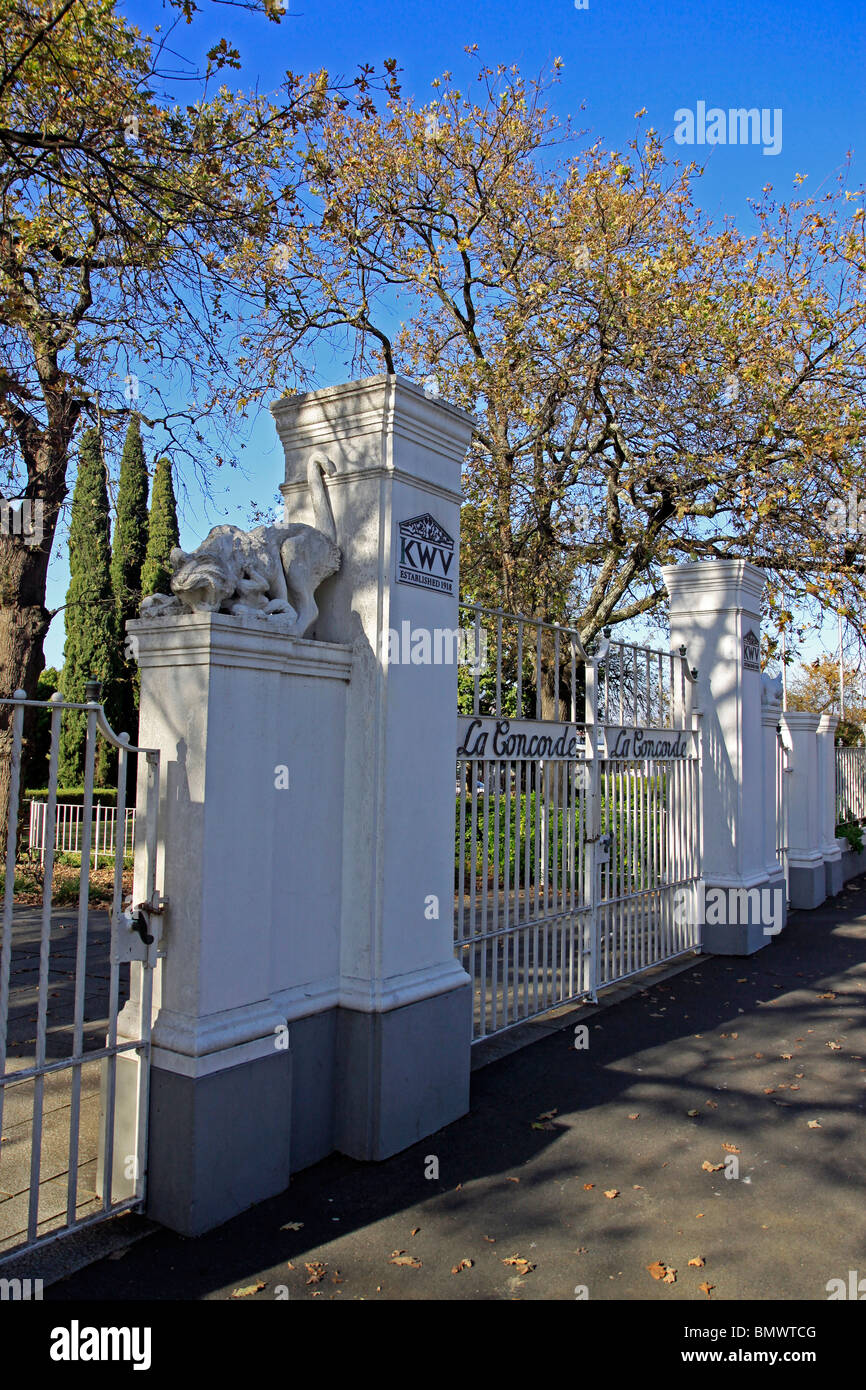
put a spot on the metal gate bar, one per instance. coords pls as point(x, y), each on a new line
point(125, 949)
point(571, 879)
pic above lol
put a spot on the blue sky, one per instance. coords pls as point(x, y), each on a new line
point(806, 59)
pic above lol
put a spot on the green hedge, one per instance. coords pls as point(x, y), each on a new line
point(509, 840)
point(74, 796)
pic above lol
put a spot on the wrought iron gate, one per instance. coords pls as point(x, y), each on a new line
point(73, 1082)
point(578, 825)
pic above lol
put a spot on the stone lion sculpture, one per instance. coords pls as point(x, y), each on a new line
point(272, 572)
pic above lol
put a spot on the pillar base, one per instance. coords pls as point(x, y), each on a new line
point(738, 919)
point(834, 879)
point(403, 1074)
point(807, 883)
point(219, 1142)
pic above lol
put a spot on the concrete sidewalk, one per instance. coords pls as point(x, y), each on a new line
point(759, 1060)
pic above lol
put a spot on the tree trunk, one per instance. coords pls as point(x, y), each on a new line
point(24, 622)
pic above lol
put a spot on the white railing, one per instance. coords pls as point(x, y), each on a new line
point(69, 830)
point(850, 783)
point(578, 816)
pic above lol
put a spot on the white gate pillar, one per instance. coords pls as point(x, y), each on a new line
point(775, 796)
point(715, 610)
point(827, 725)
point(807, 878)
point(405, 1005)
point(250, 724)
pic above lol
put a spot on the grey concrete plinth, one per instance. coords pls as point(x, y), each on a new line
point(835, 881)
point(737, 921)
point(808, 885)
point(403, 1074)
point(218, 1143)
point(314, 1067)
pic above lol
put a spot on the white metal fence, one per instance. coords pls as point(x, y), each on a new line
point(70, 1155)
point(578, 815)
point(69, 830)
point(850, 784)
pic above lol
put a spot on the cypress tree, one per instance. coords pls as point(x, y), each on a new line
point(91, 648)
point(128, 549)
point(162, 534)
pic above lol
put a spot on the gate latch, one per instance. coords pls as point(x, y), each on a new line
point(139, 933)
point(604, 849)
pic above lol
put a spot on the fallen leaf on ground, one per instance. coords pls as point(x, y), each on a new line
point(712, 1104)
point(512, 1180)
point(547, 1115)
point(670, 1277)
point(537, 1124)
point(636, 1116)
point(697, 1263)
point(414, 1231)
point(656, 1270)
point(588, 1186)
point(769, 1090)
point(786, 1056)
point(336, 1277)
point(698, 1215)
point(491, 1240)
point(399, 1257)
point(293, 1226)
point(705, 1288)
point(316, 1271)
point(828, 995)
point(636, 1187)
point(520, 1264)
point(692, 1113)
point(711, 1167)
point(247, 1291)
point(612, 1192)
point(836, 1046)
point(464, 1264)
point(814, 1124)
point(730, 1148)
